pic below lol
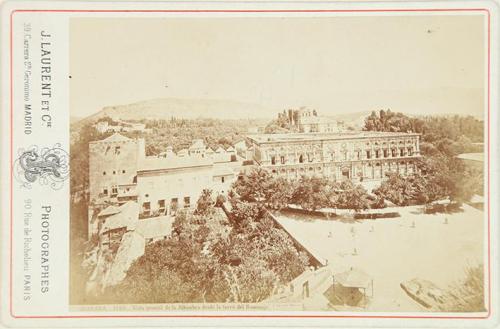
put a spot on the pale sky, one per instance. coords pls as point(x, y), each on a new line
point(413, 64)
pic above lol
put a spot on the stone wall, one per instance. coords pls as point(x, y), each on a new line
point(112, 163)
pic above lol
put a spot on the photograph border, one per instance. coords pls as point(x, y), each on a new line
point(364, 316)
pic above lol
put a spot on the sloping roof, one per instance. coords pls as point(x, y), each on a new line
point(240, 144)
point(116, 137)
point(155, 227)
point(127, 217)
point(220, 150)
point(111, 210)
point(353, 278)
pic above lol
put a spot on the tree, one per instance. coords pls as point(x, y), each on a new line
point(243, 214)
point(201, 263)
point(278, 193)
point(448, 135)
point(350, 196)
point(204, 203)
point(261, 187)
point(252, 187)
point(312, 193)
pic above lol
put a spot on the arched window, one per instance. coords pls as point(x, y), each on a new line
point(301, 158)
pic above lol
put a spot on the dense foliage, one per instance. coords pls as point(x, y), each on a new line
point(179, 133)
point(441, 175)
point(212, 259)
point(311, 193)
point(449, 135)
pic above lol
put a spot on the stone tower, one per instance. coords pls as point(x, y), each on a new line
point(113, 162)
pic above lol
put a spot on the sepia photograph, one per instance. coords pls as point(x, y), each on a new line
point(284, 163)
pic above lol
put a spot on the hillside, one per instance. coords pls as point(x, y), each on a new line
point(165, 108)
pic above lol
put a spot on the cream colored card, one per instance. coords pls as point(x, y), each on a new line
point(249, 164)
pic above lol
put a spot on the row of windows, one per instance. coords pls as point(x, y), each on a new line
point(161, 206)
point(357, 155)
point(114, 191)
point(377, 166)
point(393, 153)
point(369, 165)
point(277, 149)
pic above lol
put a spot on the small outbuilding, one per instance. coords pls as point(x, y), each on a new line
point(351, 288)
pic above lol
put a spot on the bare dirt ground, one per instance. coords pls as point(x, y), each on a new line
point(391, 251)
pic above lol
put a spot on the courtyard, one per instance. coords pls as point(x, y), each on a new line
point(434, 247)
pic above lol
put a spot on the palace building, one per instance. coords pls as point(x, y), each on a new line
point(353, 155)
point(305, 120)
point(120, 172)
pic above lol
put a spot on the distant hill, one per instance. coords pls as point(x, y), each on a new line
point(165, 108)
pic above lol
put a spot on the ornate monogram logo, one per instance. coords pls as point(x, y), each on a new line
point(48, 166)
